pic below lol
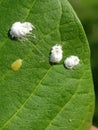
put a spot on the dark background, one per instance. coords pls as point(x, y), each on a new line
point(87, 11)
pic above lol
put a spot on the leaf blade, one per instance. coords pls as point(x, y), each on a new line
point(30, 105)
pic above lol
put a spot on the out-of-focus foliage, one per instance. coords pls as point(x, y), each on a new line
point(87, 11)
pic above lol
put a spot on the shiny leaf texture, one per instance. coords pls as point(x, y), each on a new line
point(41, 96)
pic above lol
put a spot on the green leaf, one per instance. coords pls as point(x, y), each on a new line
point(41, 96)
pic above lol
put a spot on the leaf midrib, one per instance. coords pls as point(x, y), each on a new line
point(26, 99)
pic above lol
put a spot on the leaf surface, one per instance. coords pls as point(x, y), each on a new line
point(41, 96)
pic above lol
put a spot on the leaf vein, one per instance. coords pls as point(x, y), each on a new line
point(61, 110)
point(30, 96)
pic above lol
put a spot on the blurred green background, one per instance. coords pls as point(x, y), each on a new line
point(87, 11)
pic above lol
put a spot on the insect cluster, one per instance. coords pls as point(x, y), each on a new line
point(19, 30)
point(56, 56)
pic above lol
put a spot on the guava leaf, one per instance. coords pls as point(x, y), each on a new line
point(41, 96)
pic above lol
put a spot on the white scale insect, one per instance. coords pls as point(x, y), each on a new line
point(56, 54)
point(19, 30)
point(71, 62)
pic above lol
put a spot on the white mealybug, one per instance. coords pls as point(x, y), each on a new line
point(56, 54)
point(16, 64)
point(71, 61)
point(19, 30)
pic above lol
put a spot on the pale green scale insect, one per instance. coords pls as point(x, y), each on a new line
point(16, 64)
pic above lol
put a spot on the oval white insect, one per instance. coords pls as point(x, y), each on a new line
point(56, 54)
point(71, 61)
point(19, 30)
point(16, 64)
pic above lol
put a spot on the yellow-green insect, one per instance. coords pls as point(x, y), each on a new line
point(16, 64)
